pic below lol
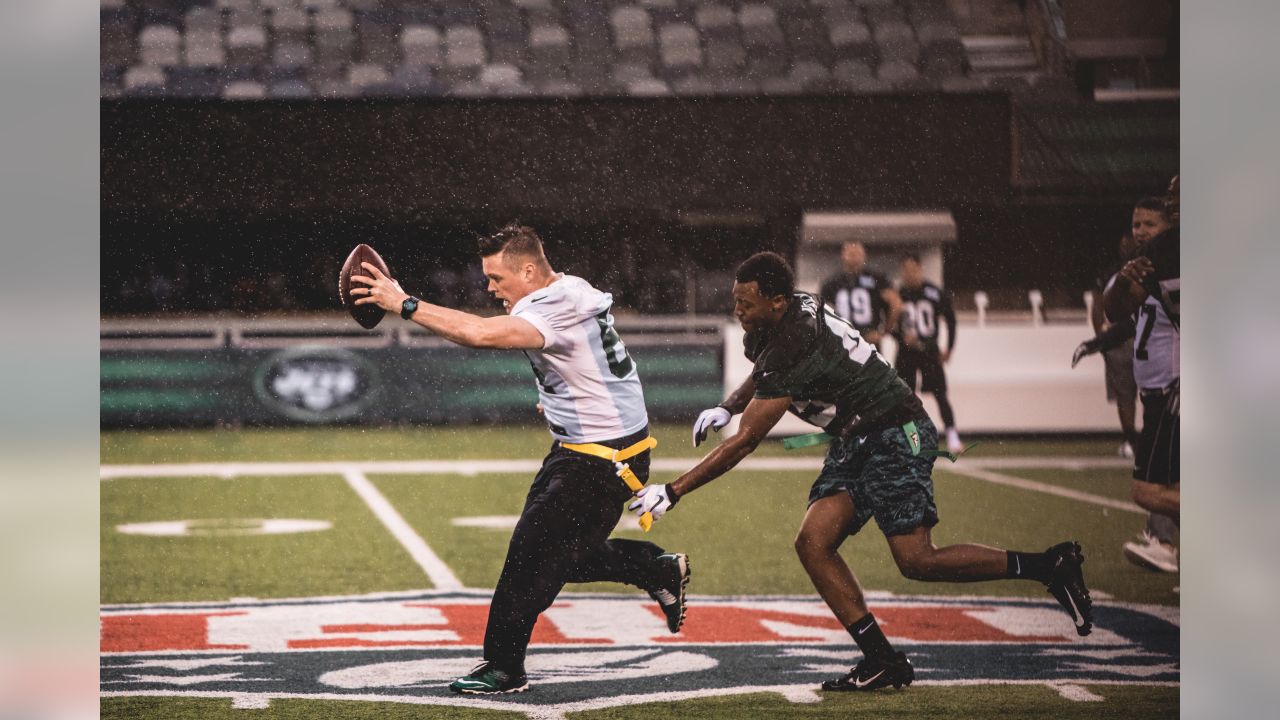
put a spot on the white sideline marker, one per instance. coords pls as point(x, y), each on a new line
point(966, 469)
point(439, 573)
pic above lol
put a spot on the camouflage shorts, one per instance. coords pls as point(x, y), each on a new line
point(885, 477)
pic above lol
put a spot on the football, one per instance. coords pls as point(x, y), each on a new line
point(368, 314)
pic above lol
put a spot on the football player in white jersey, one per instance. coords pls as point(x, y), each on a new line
point(590, 393)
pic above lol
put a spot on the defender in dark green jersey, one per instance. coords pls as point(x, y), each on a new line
point(814, 364)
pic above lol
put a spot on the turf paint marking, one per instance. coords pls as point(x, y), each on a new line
point(594, 650)
point(1076, 693)
point(439, 573)
point(224, 526)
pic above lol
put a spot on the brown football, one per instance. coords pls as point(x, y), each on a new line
point(368, 314)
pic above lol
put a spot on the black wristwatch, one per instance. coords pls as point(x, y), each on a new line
point(409, 307)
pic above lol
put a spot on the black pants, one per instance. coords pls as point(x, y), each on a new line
point(562, 537)
point(1156, 459)
point(927, 364)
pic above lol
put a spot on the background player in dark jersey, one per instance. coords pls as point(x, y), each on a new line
point(924, 307)
point(866, 299)
point(879, 464)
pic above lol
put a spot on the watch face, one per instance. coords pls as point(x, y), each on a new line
point(409, 307)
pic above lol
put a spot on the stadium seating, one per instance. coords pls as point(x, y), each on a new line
point(245, 49)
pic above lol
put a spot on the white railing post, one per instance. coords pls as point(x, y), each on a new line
point(1037, 307)
point(981, 301)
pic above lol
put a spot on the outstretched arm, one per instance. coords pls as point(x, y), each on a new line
point(759, 417)
point(502, 332)
point(894, 301)
point(737, 401)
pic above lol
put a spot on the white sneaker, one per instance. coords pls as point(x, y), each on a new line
point(953, 441)
point(1152, 554)
point(1126, 450)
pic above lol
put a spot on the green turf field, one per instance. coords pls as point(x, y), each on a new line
point(738, 531)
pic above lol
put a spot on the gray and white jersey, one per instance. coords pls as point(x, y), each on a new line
point(587, 383)
point(1156, 350)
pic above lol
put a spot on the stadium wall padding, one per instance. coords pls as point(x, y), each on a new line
point(311, 384)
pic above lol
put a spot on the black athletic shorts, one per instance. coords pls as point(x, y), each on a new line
point(925, 363)
point(1156, 458)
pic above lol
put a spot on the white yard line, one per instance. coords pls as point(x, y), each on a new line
point(479, 467)
point(439, 573)
point(977, 469)
point(967, 469)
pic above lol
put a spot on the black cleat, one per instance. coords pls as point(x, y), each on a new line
point(874, 673)
point(674, 573)
point(1066, 584)
point(488, 679)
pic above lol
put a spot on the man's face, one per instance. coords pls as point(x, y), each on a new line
point(508, 281)
point(754, 310)
point(1148, 224)
point(912, 273)
point(854, 257)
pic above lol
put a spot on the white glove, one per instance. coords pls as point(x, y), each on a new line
point(653, 499)
point(713, 419)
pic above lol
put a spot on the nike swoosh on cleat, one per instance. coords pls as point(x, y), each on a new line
point(665, 597)
point(861, 684)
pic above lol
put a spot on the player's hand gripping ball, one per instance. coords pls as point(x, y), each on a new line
point(367, 314)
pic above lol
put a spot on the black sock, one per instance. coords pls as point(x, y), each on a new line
point(870, 638)
point(1029, 566)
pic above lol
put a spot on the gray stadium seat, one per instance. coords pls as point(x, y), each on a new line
point(159, 45)
point(560, 88)
point(117, 44)
point(202, 18)
point(194, 82)
point(334, 35)
point(319, 4)
point(632, 29)
point(549, 53)
point(648, 87)
point(244, 90)
point(884, 14)
point(810, 75)
point(364, 76)
point(852, 40)
point(290, 56)
point(421, 45)
point(725, 56)
point(851, 73)
point(505, 80)
point(290, 24)
point(464, 52)
point(806, 37)
point(203, 48)
point(896, 41)
point(716, 21)
point(760, 30)
point(624, 73)
point(236, 4)
point(897, 71)
point(378, 43)
point(679, 47)
point(246, 17)
point(140, 76)
point(416, 79)
point(246, 46)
